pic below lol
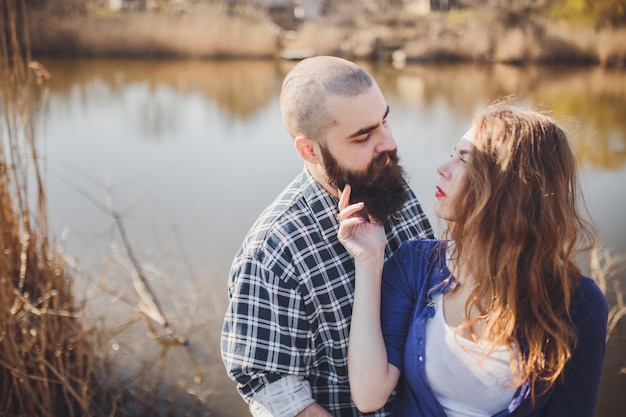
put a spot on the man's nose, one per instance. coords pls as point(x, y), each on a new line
point(387, 142)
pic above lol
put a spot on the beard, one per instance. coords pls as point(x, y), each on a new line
point(381, 186)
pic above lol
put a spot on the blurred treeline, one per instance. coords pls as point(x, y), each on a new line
point(597, 13)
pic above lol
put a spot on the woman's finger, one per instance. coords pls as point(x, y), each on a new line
point(350, 211)
point(349, 222)
point(344, 197)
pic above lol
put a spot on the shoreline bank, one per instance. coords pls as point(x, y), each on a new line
point(213, 32)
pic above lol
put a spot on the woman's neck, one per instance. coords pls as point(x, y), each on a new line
point(456, 300)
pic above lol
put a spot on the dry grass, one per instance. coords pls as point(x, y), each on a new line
point(606, 269)
point(53, 361)
point(208, 32)
point(47, 366)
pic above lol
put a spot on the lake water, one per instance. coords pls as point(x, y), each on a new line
point(190, 152)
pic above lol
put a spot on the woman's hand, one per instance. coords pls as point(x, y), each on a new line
point(362, 238)
point(372, 378)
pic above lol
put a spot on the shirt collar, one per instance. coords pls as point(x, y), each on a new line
point(323, 205)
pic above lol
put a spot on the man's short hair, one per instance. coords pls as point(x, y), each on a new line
point(306, 86)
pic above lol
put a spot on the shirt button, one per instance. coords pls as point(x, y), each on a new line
point(421, 358)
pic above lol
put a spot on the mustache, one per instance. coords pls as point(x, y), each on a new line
point(380, 171)
point(384, 173)
point(385, 159)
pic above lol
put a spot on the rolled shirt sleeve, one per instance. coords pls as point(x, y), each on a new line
point(284, 398)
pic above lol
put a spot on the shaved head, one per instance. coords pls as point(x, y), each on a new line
point(306, 87)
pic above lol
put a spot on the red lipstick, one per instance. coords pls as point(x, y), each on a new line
point(439, 193)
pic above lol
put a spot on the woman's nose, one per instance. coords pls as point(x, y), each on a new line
point(442, 170)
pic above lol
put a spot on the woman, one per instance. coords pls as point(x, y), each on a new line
point(496, 319)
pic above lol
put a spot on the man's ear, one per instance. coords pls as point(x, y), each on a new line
point(308, 149)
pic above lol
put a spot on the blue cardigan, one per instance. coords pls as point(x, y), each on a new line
point(411, 277)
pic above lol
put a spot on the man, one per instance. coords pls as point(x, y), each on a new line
point(285, 333)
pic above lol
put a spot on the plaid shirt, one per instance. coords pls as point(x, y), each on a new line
point(291, 292)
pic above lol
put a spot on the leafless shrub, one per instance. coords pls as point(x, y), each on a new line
point(47, 367)
point(605, 271)
point(53, 359)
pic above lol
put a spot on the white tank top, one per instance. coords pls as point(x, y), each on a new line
point(465, 384)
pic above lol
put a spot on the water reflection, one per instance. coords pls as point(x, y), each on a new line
point(591, 101)
point(194, 150)
point(239, 89)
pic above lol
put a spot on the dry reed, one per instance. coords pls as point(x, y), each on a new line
point(606, 270)
point(47, 365)
point(52, 361)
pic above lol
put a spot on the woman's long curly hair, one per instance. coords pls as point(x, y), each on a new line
point(519, 228)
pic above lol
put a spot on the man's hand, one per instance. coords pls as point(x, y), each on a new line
point(314, 410)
